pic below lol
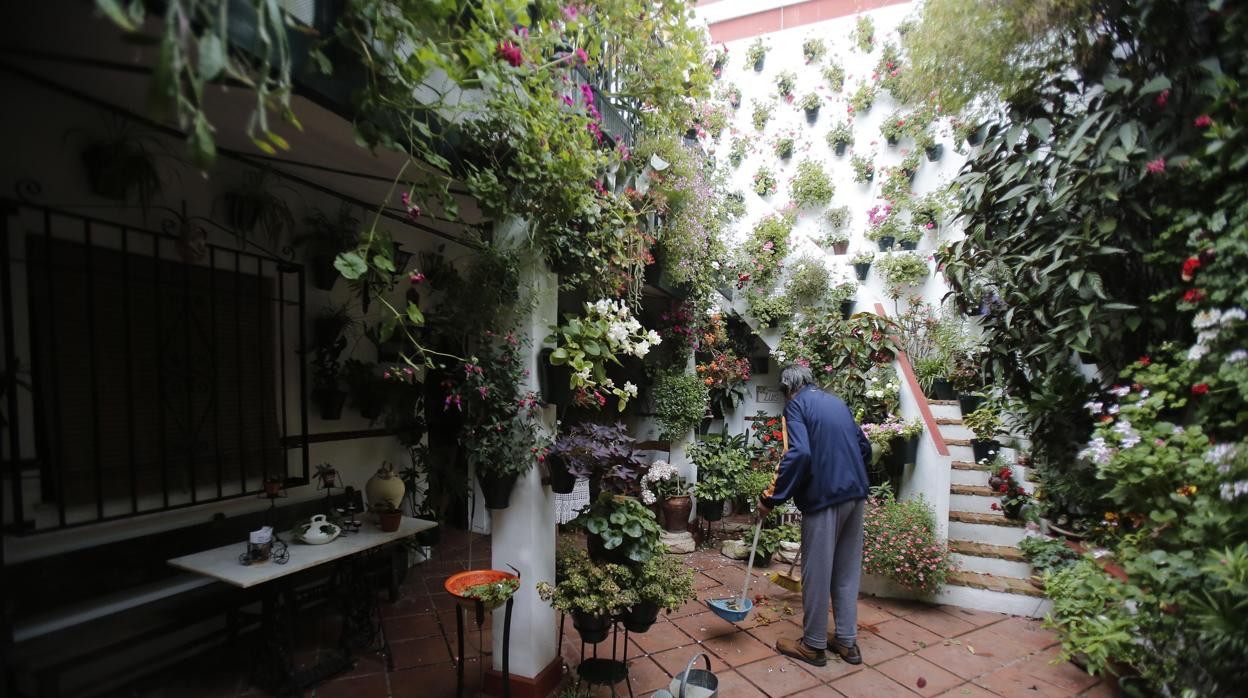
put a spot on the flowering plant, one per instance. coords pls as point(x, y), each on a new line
point(840, 135)
point(810, 101)
point(864, 168)
point(927, 212)
point(863, 34)
point(719, 59)
point(765, 250)
point(602, 453)
point(902, 270)
point(837, 217)
point(761, 115)
point(862, 257)
point(764, 182)
point(888, 68)
point(733, 94)
point(1004, 483)
point(500, 426)
point(811, 186)
point(894, 127)
point(755, 53)
point(785, 80)
point(661, 482)
point(834, 74)
point(881, 434)
point(769, 439)
point(736, 152)
point(813, 49)
point(862, 99)
point(605, 332)
point(783, 147)
point(725, 375)
point(902, 543)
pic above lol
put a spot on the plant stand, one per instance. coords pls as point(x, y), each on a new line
point(479, 613)
point(600, 671)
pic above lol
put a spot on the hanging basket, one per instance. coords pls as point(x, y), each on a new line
point(561, 481)
point(985, 449)
point(593, 628)
point(885, 242)
point(861, 270)
point(942, 390)
point(329, 402)
point(639, 618)
point(497, 489)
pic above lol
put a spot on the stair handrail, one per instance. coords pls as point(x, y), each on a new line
point(925, 410)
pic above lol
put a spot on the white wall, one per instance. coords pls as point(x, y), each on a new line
point(931, 476)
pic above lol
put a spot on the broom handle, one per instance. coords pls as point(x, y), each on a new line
point(753, 546)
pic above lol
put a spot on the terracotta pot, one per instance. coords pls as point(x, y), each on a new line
point(840, 248)
point(676, 513)
point(390, 521)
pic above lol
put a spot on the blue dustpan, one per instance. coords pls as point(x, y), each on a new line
point(736, 610)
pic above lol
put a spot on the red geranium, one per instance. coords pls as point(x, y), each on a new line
point(1200, 388)
point(1194, 295)
point(1189, 268)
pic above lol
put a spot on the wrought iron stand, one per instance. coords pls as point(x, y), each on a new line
point(599, 671)
point(479, 612)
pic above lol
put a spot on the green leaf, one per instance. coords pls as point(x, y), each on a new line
point(611, 540)
point(351, 265)
point(383, 263)
point(1116, 84)
point(1157, 84)
point(618, 518)
point(1128, 133)
point(595, 526)
point(128, 19)
point(559, 357)
point(386, 330)
point(1107, 225)
point(414, 314)
point(632, 529)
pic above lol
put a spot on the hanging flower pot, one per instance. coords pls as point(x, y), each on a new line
point(676, 512)
point(969, 403)
point(840, 148)
point(977, 136)
point(942, 390)
point(861, 269)
point(592, 627)
point(985, 449)
point(812, 115)
point(885, 242)
point(910, 450)
point(908, 244)
point(329, 402)
point(892, 140)
point(847, 309)
point(497, 488)
point(712, 510)
point(840, 248)
point(758, 64)
point(561, 481)
point(639, 618)
point(322, 273)
point(934, 152)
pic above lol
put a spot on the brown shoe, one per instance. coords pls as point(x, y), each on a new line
point(849, 653)
point(797, 649)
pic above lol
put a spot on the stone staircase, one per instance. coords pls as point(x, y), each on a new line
point(993, 575)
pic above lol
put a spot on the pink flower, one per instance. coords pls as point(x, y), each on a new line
point(1158, 165)
point(509, 52)
point(582, 56)
point(417, 278)
point(571, 13)
point(1162, 98)
point(1203, 121)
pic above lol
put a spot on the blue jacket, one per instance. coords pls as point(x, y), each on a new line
point(824, 457)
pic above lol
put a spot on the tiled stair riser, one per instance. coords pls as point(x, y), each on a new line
point(985, 533)
point(955, 431)
point(985, 600)
point(993, 566)
point(973, 503)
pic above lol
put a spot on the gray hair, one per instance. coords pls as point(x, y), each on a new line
point(794, 377)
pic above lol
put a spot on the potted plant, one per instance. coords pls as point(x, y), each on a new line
point(927, 212)
point(367, 391)
point(966, 381)
point(927, 142)
point(785, 80)
point(256, 205)
point(902, 271)
point(663, 483)
point(863, 34)
point(893, 128)
point(769, 540)
point(719, 60)
point(985, 422)
point(837, 240)
point(862, 263)
point(842, 295)
point(837, 217)
point(122, 166)
point(605, 455)
point(620, 529)
point(813, 49)
point(864, 168)
point(328, 336)
point(1006, 485)
point(733, 94)
point(273, 486)
point(840, 137)
point(908, 237)
point(662, 583)
point(810, 104)
point(721, 462)
point(737, 152)
point(882, 226)
point(325, 239)
point(909, 166)
point(756, 54)
point(834, 75)
point(911, 551)
point(488, 588)
point(783, 147)
point(764, 182)
point(931, 372)
point(760, 115)
point(862, 99)
point(768, 310)
point(326, 476)
point(590, 592)
point(389, 516)
point(680, 400)
point(589, 342)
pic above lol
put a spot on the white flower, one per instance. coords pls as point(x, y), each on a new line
point(714, 265)
point(1220, 455)
point(1233, 491)
point(1097, 451)
point(630, 389)
point(1206, 336)
point(1113, 409)
point(584, 375)
point(1197, 352)
point(1094, 407)
point(640, 349)
point(1120, 390)
point(1206, 318)
point(632, 324)
point(1236, 356)
point(1233, 315)
point(654, 338)
point(617, 333)
point(1129, 437)
point(647, 497)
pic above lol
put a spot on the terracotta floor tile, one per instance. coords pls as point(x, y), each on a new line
point(833, 670)
point(661, 637)
point(407, 605)
point(647, 676)
point(704, 626)
point(1062, 674)
point(1027, 632)
point(897, 607)
point(911, 670)
point(1104, 689)
point(372, 686)
point(940, 622)
point(819, 692)
point(434, 681)
point(870, 682)
point(1012, 682)
point(973, 616)
point(956, 658)
point(726, 574)
point(998, 646)
point(968, 690)
point(869, 614)
point(778, 676)
point(413, 627)
point(702, 582)
point(768, 634)
point(906, 635)
point(876, 650)
point(734, 685)
point(411, 653)
point(675, 661)
point(369, 663)
point(738, 649)
point(690, 608)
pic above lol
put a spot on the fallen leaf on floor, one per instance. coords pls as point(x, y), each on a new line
point(869, 628)
point(921, 682)
point(970, 649)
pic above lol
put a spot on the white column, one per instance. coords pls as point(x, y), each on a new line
point(523, 535)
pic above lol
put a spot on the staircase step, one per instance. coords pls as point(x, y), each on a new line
point(1007, 585)
point(1000, 552)
point(949, 421)
point(968, 465)
point(1029, 473)
point(958, 442)
point(976, 490)
point(943, 402)
point(971, 517)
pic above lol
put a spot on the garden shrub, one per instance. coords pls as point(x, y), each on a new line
point(680, 401)
point(901, 542)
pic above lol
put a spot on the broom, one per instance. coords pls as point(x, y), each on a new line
point(787, 580)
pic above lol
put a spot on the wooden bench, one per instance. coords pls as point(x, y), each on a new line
point(69, 612)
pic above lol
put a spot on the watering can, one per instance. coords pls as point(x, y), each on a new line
point(692, 683)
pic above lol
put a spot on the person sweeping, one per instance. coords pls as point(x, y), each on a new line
point(824, 471)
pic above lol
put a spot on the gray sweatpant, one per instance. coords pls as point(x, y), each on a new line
point(831, 567)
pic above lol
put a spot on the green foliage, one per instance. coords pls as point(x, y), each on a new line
point(665, 581)
point(586, 587)
point(680, 401)
point(864, 168)
point(901, 542)
point(984, 421)
point(894, 127)
point(756, 52)
point(1047, 555)
point(809, 281)
point(764, 182)
point(810, 101)
point(769, 539)
point(841, 353)
point(862, 257)
point(834, 75)
point(837, 217)
point(500, 428)
point(888, 69)
point(625, 523)
point(734, 205)
point(760, 115)
point(588, 343)
point(962, 50)
point(768, 310)
point(493, 594)
point(844, 291)
point(723, 468)
point(840, 134)
point(863, 34)
point(785, 80)
point(737, 152)
point(811, 185)
point(697, 211)
point(862, 99)
point(813, 49)
point(766, 248)
point(783, 147)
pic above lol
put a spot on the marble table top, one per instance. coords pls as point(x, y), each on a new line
point(222, 563)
